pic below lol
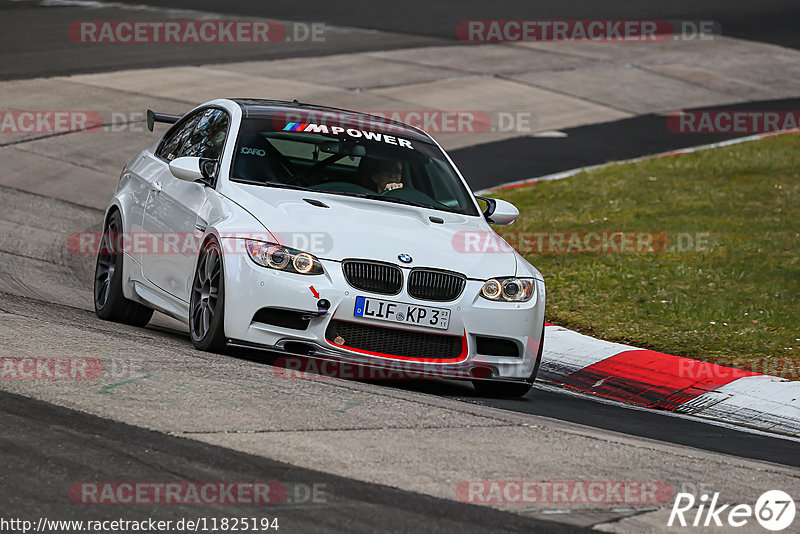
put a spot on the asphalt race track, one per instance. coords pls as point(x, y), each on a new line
point(37, 37)
point(769, 21)
point(408, 23)
point(593, 144)
point(178, 414)
point(74, 444)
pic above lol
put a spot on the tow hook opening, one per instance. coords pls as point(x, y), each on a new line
point(323, 305)
point(482, 372)
point(298, 347)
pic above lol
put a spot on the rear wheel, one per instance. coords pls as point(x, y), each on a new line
point(207, 302)
point(110, 303)
point(497, 388)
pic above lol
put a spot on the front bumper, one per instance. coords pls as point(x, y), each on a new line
point(249, 287)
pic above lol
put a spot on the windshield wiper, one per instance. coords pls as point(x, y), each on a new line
point(273, 184)
point(396, 200)
point(288, 186)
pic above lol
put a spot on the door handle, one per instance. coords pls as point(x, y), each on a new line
point(156, 186)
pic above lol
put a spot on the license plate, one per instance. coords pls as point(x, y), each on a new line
point(400, 312)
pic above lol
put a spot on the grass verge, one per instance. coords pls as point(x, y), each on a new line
point(720, 279)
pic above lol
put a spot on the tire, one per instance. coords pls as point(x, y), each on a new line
point(492, 388)
point(110, 303)
point(207, 301)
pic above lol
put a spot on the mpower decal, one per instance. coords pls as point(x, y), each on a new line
point(352, 132)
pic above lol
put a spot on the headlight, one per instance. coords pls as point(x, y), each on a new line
point(508, 289)
point(282, 258)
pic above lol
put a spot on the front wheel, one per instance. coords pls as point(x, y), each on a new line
point(207, 302)
point(492, 388)
point(110, 303)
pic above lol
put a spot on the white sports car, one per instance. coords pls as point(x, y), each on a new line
point(323, 233)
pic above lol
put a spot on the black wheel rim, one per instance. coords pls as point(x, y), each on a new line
point(106, 265)
point(205, 292)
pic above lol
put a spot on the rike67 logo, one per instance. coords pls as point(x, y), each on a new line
point(774, 510)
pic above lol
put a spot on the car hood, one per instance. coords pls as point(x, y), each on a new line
point(351, 227)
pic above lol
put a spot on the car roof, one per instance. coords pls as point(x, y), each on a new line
point(255, 108)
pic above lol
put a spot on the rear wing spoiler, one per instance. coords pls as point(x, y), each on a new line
point(153, 117)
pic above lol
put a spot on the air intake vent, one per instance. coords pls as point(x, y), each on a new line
point(317, 203)
point(495, 346)
point(429, 284)
point(281, 317)
point(382, 278)
point(392, 341)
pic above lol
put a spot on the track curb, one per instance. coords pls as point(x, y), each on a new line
point(665, 382)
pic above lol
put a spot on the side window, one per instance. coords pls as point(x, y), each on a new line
point(208, 137)
point(174, 139)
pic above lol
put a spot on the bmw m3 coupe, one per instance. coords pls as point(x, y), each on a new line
point(324, 233)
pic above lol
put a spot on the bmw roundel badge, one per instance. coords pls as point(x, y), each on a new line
point(405, 258)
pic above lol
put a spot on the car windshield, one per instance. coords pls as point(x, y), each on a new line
point(348, 161)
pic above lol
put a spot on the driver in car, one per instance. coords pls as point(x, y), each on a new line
point(380, 175)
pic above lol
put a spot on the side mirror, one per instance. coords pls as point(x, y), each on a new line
point(186, 168)
point(499, 211)
point(193, 169)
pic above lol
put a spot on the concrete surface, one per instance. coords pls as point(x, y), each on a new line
point(416, 442)
point(75, 447)
point(557, 86)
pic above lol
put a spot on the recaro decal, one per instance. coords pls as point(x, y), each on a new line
point(253, 151)
point(307, 127)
